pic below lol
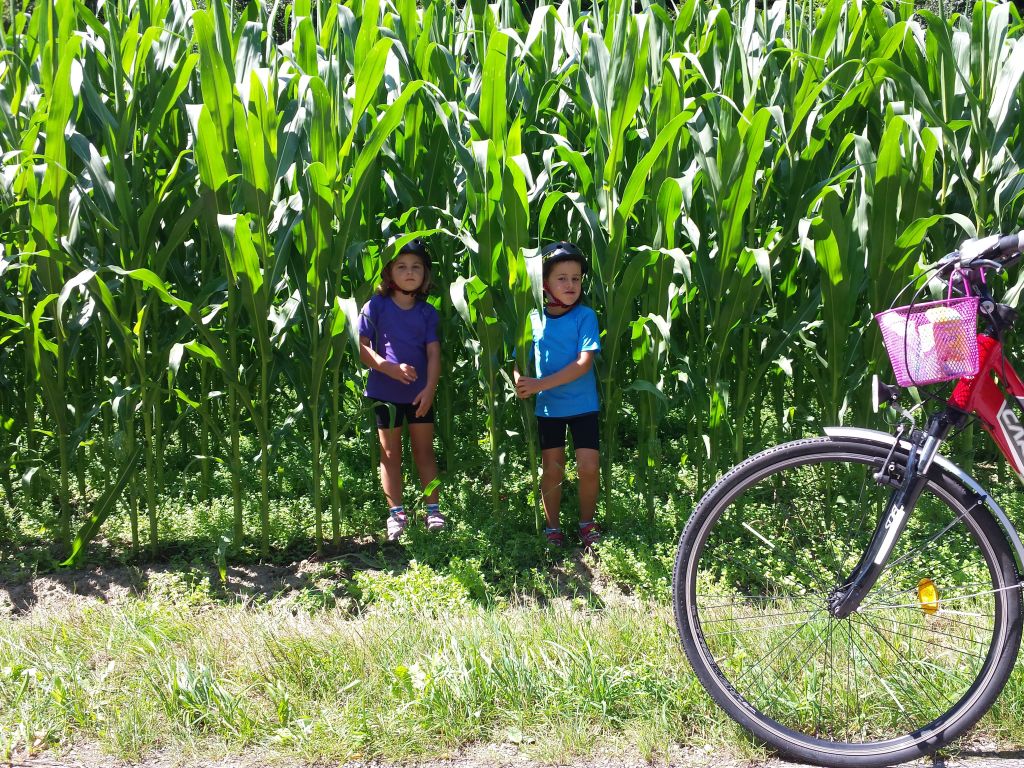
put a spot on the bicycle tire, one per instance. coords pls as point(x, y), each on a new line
point(728, 550)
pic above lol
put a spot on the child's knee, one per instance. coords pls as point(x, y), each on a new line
point(392, 456)
point(588, 468)
point(553, 465)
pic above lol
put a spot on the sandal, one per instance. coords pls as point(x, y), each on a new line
point(397, 521)
point(434, 520)
point(555, 537)
point(590, 534)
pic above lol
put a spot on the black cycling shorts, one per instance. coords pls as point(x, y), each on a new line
point(584, 430)
point(390, 415)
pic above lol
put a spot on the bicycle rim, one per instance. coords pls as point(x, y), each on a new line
point(919, 663)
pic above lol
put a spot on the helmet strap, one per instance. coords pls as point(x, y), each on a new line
point(551, 301)
point(394, 287)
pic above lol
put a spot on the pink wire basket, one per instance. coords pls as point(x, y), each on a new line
point(932, 342)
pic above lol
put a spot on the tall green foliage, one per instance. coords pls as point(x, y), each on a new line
point(192, 209)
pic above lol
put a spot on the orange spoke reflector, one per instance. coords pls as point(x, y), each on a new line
point(928, 596)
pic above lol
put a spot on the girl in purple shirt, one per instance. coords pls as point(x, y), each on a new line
point(398, 343)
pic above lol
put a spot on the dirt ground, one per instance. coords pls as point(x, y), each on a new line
point(21, 594)
point(22, 591)
point(506, 756)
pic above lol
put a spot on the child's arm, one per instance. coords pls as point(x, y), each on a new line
point(425, 398)
point(402, 372)
point(526, 386)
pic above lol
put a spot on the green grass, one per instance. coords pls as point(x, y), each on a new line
point(394, 682)
point(420, 671)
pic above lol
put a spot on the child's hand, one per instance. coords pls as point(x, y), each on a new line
point(423, 401)
point(402, 372)
point(527, 386)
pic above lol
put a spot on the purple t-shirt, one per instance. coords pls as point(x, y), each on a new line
point(399, 336)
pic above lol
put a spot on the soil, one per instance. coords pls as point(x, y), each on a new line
point(113, 584)
point(506, 756)
point(22, 590)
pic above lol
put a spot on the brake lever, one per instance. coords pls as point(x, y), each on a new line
point(985, 264)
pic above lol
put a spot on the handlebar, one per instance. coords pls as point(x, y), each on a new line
point(996, 252)
point(993, 251)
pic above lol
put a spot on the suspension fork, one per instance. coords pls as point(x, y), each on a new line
point(847, 597)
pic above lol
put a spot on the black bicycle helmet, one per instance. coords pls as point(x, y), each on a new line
point(418, 247)
point(553, 253)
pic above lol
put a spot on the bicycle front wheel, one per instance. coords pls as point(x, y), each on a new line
point(924, 657)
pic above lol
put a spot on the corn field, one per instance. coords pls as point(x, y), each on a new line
point(195, 200)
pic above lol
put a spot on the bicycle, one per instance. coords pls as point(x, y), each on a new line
point(855, 599)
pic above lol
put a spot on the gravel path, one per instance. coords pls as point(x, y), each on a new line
point(506, 756)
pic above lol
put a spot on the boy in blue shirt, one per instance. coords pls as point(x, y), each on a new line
point(565, 340)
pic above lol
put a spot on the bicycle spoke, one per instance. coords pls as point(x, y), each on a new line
point(851, 673)
point(748, 630)
point(938, 645)
point(925, 544)
point(776, 652)
point(824, 534)
point(826, 663)
point(881, 677)
point(896, 651)
point(888, 583)
point(748, 597)
point(804, 569)
point(757, 616)
point(933, 631)
point(782, 675)
point(821, 534)
point(882, 598)
point(943, 615)
point(960, 597)
point(755, 571)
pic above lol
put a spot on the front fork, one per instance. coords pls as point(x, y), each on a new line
point(847, 597)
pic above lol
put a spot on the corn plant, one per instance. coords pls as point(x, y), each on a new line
point(196, 199)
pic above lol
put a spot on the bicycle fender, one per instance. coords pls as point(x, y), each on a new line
point(873, 436)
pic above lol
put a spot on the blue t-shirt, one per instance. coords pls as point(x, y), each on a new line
point(399, 336)
point(557, 342)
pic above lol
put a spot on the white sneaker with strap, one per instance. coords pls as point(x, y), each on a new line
point(397, 521)
point(435, 520)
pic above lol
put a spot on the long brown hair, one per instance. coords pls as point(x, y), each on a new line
point(387, 284)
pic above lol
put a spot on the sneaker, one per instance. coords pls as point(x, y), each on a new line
point(590, 534)
point(435, 520)
point(397, 521)
point(555, 537)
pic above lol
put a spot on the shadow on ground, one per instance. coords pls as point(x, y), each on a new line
point(324, 581)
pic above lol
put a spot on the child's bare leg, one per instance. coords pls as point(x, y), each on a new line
point(553, 466)
point(588, 465)
point(391, 464)
point(421, 437)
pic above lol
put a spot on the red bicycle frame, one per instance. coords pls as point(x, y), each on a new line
point(981, 395)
